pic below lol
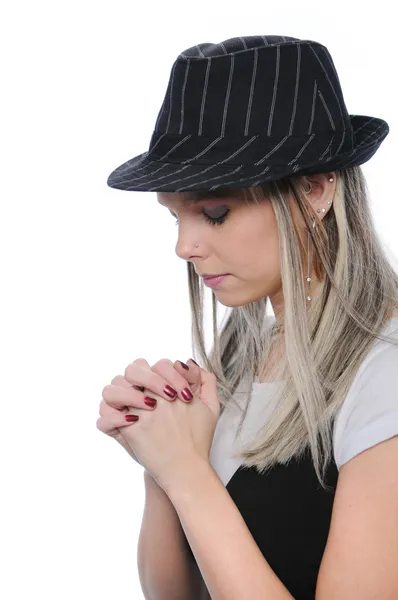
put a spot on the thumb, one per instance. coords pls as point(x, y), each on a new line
point(207, 387)
point(209, 392)
point(202, 383)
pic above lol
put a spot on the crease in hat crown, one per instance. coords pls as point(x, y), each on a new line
point(250, 109)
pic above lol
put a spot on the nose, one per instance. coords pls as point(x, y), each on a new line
point(188, 238)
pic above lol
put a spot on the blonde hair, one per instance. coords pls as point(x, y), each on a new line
point(325, 343)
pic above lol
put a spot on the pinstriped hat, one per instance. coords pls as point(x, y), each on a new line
point(249, 110)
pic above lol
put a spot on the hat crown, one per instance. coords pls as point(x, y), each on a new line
point(271, 86)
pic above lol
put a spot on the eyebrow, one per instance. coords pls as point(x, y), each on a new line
point(207, 194)
point(203, 196)
point(190, 201)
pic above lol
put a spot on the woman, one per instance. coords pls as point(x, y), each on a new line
point(288, 488)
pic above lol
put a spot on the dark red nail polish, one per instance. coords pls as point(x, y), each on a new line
point(171, 392)
point(183, 364)
point(186, 394)
point(194, 361)
point(131, 418)
point(150, 401)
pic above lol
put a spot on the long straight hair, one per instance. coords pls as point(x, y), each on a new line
point(325, 343)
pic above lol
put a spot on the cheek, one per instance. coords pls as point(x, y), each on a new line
point(257, 248)
point(251, 228)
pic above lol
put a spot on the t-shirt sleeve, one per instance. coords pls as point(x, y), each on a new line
point(369, 414)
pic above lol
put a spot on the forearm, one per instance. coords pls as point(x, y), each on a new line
point(166, 571)
point(231, 563)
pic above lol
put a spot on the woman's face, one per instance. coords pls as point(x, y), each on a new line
point(244, 244)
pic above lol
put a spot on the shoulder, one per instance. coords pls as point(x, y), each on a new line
point(369, 413)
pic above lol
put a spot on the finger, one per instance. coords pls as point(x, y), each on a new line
point(155, 382)
point(122, 381)
point(192, 374)
point(145, 364)
point(119, 397)
point(193, 377)
point(106, 409)
point(179, 378)
point(113, 422)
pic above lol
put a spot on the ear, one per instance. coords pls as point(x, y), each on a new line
point(322, 190)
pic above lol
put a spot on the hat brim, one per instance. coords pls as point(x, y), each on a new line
point(143, 174)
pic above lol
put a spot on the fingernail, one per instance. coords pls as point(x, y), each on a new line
point(150, 401)
point(171, 392)
point(194, 361)
point(131, 418)
point(186, 394)
point(183, 364)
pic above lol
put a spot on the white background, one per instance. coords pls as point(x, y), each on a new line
point(90, 279)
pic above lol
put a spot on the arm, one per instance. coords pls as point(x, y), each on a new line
point(166, 568)
point(231, 563)
point(361, 553)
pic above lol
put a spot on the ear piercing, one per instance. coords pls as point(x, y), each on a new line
point(309, 298)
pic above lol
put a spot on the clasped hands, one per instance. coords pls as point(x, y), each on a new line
point(169, 438)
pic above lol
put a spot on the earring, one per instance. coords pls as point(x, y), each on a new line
point(309, 262)
point(309, 298)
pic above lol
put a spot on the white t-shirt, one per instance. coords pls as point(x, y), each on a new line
point(368, 415)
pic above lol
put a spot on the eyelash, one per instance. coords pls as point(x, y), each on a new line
point(216, 221)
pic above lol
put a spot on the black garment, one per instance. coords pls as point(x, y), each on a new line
point(288, 514)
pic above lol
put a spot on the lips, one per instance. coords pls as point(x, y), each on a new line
point(215, 282)
point(213, 276)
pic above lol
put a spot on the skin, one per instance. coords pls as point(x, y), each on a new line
point(245, 245)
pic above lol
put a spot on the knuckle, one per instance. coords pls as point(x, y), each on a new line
point(166, 370)
point(162, 362)
point(128, 370)
point(118, 380)
point(141, 362)
point(106, 390)
point(135, 368)
point(162, 373)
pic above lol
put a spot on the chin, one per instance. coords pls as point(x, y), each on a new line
point(238, 300)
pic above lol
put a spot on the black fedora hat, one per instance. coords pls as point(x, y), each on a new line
point(249, 110)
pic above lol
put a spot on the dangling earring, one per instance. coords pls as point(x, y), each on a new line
point(309, 261)
point(314, 225)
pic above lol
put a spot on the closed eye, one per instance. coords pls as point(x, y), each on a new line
point(214, 220)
